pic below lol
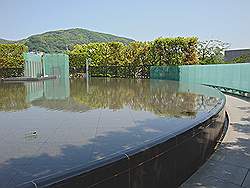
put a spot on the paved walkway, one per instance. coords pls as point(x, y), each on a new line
point(229, 166)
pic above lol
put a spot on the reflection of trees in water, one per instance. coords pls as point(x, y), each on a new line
point(204, 102)
point(161, 98)
point(60, 105)
point(138, 94)
point(110, 93)
point(13, 97)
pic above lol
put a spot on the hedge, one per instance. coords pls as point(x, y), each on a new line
point(174, 51)
point(162, 51)
point(116, 55)
point(11, 55)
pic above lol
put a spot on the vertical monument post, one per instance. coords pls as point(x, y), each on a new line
point(88, 62)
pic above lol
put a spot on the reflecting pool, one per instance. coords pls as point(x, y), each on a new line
point(47, 128)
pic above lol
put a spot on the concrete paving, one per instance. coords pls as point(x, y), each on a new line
point(229, 166)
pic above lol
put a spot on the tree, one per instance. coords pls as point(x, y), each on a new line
point(174, 51)
point(137, 53)
point(212, 51)
point(242, 59)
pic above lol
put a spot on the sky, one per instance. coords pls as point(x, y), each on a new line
point(143, 20)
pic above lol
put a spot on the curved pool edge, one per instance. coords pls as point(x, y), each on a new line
point(167, 161)
point(226, 160)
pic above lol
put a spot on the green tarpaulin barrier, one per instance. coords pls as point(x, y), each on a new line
point(33, 66)
point(48, 64)
point(231, 76)
point(56, 64)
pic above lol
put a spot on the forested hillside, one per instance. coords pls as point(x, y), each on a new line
point(61, 40)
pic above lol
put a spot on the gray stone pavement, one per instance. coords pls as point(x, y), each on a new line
point(229, 166)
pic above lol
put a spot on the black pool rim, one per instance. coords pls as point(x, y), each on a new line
point(166, 161)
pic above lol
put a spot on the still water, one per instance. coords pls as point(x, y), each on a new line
point(52, 126)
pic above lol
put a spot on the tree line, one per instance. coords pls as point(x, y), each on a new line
point(161, 51)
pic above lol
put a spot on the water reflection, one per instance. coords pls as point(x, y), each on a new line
point(138, 95)
point(160, 97)
point(47, 134)
point(13, 97)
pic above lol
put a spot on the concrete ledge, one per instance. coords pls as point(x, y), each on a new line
point(229, 166)
point(18, 79)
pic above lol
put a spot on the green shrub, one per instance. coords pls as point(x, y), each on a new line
point(242, 59)
point(101, 54)
point(138, 54)
point(11, 55)
point(174, 51)
point(162, 51)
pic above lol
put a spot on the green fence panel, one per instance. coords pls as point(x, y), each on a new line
point(33, 65)
point(56, 64)
point(230, 76)
point(51, 64)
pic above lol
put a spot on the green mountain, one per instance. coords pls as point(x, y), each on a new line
point(61, 40)
point(3, 41)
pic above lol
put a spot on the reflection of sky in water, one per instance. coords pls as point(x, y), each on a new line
point(77, 127)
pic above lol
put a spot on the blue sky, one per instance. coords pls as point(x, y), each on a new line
point(227, 20)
